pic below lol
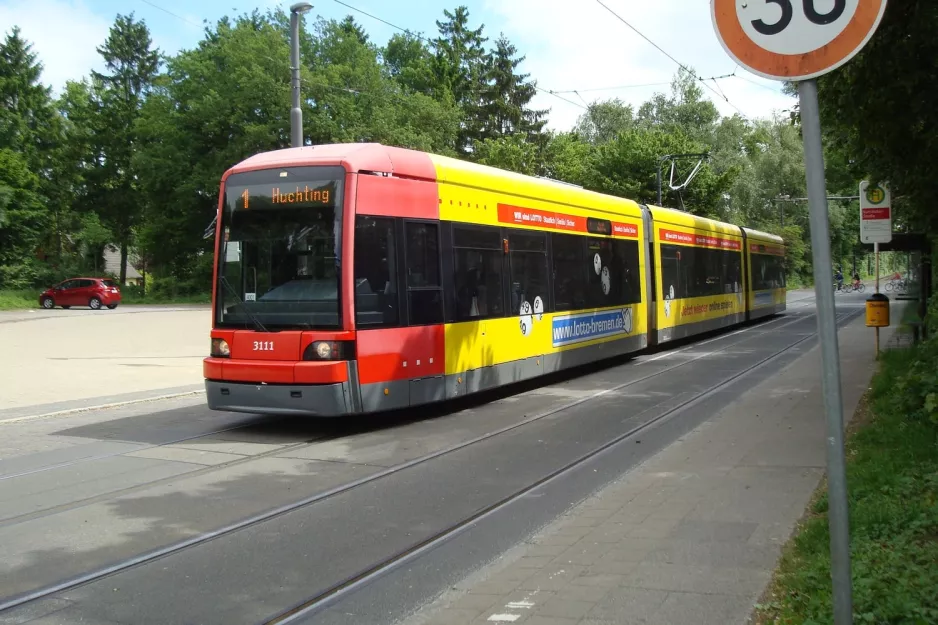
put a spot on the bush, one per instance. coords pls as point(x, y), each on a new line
point(917, 388)
point(892, 480)
point(34, 274)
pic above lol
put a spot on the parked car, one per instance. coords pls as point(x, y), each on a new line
point(91, 292)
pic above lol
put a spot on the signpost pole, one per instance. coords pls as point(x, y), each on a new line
point(830, 357)
point(876, 290)
point(798, 44)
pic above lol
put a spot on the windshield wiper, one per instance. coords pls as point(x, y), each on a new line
point(257, 324)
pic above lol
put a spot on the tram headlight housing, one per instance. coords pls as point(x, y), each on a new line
point(329, 350)
point(220, 349)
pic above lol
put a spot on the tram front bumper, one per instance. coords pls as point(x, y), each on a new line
point(317, 400)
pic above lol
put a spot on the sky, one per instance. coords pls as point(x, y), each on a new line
point(574, 48)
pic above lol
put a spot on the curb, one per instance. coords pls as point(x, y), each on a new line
point(117, 404)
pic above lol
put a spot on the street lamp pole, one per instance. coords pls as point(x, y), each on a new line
point(296, 113)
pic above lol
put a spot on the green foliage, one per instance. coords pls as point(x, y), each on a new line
point(23, 218)
point(460, 66)
point(627, 166)
point(513, 153)
point(18, 299)
point(917, 389)
point(507, 95)
point(132, 156)
point(604, 121)
point(892, 477)
point(879, 109)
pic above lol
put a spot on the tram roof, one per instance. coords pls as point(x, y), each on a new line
point(355, 157)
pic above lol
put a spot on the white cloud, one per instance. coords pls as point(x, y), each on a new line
point(583, 46)
point(64, 34)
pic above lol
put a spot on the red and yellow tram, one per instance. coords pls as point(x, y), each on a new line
point(356, 278)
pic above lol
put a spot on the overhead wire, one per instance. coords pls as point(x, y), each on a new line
point(179, 17)
point(753, 82)
point(427, 40)
point(665, 52)
point(616, 88)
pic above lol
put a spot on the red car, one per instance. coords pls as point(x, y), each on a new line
point(91, 292)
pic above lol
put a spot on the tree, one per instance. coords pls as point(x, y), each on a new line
point(26, 114)
point(22, 221)
point(225, 100)
point(461, 70)
point(603, 121)
point(409, 62)
point(511, 152)
point(354, 99)
point(131, 68)
point(627, 167)
point(507, 96)
point(29, 131)
point(350, 27)
point(685, 110)
point(879, 109)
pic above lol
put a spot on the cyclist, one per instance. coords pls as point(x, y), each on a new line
point(856, 279)
point(839, 276)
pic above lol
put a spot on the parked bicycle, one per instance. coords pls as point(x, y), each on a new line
point(896, 285)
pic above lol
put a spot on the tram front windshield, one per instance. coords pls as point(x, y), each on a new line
point(280, 255)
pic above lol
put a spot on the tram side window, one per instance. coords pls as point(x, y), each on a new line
point(424, 291)
point(675, 261)
point(670, 271)
point(734, 275)
point(569, 270)
point(478, 263)
point(376, 295)
point(528, 271)
point(613, 278)
point(711, 272)
point(768, 272)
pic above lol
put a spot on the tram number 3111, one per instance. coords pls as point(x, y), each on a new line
point(263, 346)
point(810, 11)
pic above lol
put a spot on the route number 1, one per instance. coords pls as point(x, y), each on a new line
point(810, 11)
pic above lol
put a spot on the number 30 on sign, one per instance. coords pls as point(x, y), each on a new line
point(795, 39)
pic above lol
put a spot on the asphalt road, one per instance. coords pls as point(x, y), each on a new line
point(201, 517)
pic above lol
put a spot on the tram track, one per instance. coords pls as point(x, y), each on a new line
point(349, 430)
point(352, 583)
point(114, 454)
point(750, 333)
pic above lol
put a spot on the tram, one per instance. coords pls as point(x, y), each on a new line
point(356, 278)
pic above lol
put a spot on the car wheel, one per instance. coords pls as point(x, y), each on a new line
point(94, 303)
point(111, 306)
point(48, 303)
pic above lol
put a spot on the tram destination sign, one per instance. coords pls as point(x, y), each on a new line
point(317, 194)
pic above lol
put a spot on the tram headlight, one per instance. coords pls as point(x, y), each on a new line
point(329, 350)
point(220, 349)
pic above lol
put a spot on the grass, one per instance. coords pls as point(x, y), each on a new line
point(23, 299)
point(18, 300)
point(892, 477)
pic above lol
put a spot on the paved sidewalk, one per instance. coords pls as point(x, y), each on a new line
point(689, 537)
point(66, 359)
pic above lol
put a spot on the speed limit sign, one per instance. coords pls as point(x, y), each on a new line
point(795, 40)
